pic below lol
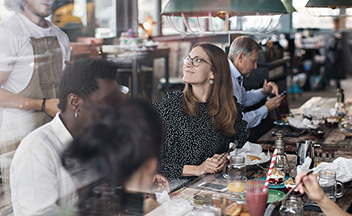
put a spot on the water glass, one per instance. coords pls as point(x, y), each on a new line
point(256, 197)
point(292, 206)
point(235, 173)
point(318, 122)
point(236, 168)
point(328, 182)
point(345, 126)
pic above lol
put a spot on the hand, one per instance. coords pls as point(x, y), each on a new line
point(210, 165)
point(310, 186)
point(51, 106)
point(270, 88)
point(274, 102)
point(161, 183)
point(222, 159)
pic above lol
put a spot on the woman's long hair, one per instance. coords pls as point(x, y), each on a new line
point(222, 107)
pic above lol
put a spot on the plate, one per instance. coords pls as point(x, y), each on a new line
point(281, 123)
point(277, 186)
point(255, 166)
point(273, 196)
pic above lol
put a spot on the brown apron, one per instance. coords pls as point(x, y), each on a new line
point(47, 71)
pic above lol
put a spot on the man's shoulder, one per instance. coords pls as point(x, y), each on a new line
point(10, 25)
point(38, 138)
point(57, 31)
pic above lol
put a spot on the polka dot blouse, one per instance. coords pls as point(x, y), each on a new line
point(191, 140)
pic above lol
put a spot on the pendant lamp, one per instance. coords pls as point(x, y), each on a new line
point(329, 3)
point(219, 16)
point(329, 8)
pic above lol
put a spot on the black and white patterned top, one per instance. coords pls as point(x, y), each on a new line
point(189, 140)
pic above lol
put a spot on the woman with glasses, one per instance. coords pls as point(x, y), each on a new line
point(201, 120)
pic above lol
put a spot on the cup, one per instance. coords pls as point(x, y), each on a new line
point(236, 168)
point(235, 173)
point(318, 122)
point(291, 206)
point(256, 197)
point(327, 181)
point(345, 126)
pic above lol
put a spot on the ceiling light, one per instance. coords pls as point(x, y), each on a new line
point(217, 16)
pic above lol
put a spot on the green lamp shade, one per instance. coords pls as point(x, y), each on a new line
point(330, 3)
point(214, 7)
point(288, 5)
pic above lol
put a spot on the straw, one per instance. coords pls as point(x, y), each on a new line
point(266, 185)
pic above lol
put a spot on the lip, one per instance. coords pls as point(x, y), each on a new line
point(188, 71)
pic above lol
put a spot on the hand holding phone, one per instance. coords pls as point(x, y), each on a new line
point(283, 93)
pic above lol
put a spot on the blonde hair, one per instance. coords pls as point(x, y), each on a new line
point(222, 107)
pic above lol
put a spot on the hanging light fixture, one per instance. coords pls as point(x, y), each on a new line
point(330, 8)
point(223, 16)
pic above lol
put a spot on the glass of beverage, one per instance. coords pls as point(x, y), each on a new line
point(256, 197)
point(235, 168)
point(328, 182)
point(292, 206)
point(235, 173)
point(318, 122)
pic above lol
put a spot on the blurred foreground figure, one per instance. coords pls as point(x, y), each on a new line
point(123, 148)
point(312, 188)
point(40, 185)
point(32, 56)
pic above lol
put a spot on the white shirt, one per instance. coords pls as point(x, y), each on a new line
point(40, 185)
point(16, 57)
point(16, 51)
point(247, 98)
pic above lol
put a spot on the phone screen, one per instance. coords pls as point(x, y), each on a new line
point(283, 93)
point(213, 186)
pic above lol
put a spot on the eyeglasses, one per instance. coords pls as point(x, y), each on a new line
point(195, 61)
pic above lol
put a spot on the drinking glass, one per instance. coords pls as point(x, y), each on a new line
point(318, 122)
point(235, 168)
point(292, 206)
point(345, 126)
point(256, 197)
point(235, 173)
point(328, 182)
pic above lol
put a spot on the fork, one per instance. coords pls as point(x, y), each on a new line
point(273, 205)
point(232, 147)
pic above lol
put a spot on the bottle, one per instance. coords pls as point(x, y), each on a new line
point(281, 162)
point(339, 105)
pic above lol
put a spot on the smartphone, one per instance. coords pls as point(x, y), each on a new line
point(212, 186)
point(283, 93)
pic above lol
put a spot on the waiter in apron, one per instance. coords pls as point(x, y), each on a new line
point(32, 56)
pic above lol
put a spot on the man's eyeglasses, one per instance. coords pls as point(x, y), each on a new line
point(195, 61)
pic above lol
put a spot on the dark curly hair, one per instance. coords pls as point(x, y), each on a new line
point(81, 77)
point(115, 146)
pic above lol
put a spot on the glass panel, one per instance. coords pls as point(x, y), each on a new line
point(105, 12)
point(299, 18)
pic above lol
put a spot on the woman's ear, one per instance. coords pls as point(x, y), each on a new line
point(74, 102)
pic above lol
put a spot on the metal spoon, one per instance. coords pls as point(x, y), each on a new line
point(232, 147)
point(273, 205)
